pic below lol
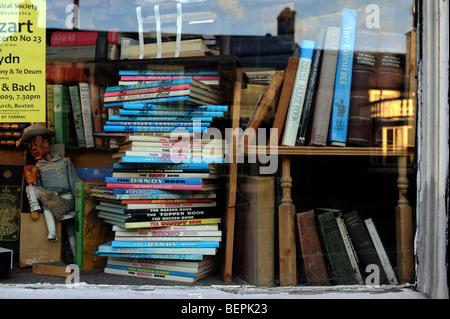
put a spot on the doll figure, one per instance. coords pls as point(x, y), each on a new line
point(54, 190)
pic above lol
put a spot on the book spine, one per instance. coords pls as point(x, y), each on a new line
point(50, 109)
point(147, 90)
point(204, 221)
point(182, 257)
point(77, 115)
point(390, 273)
point(311, 254)
point(283, 103)
point(298, 93)
point(161, 250)
point(310, 93)
point(165, 175)
point(138, 180)
point(193, 113)
point(146, 78)
point(96, 112)
point(364, 79)
point(350, 249)
point(177, 124)
point(169, 72)
point(160, 118)
point(343, 82)
point(155, 186)
point(79, 231)
point(144, 128)
point(148, 85)
point(85, 100)
point(140, 272)
point(166, 244)
point(165, 233)
point(324, 96)
point(340, 269)
point(153, 107)
point(156, 272)
point(60, 119)
point(362, 242)
point(161, 166)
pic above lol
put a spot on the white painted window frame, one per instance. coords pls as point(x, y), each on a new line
point(431, 241)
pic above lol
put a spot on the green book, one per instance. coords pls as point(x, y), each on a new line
point(77, 114)
point(335, 253)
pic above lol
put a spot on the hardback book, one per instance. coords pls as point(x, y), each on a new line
point(64, 121)
point(11, 194)
point(391, 62)
point(146, 128)
point(298, 93)
point(311, 263)
point(339, 267)
point(283, 103)
point(212, 80)
point(350, 249)
point(325, 88)
point(255, 231)
point(85, 98)
point(166, 244)
point(158, 250)
point(387, 266)
point(50, 110)
point(90, 230)
point(77, 114)
point(185, 222)
point(363, 244)
point(96, 112)
point(305, 119)
point(185, 72)
point(343, 81)
point(364, 79)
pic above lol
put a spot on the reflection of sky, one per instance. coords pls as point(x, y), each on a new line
point(238, 17)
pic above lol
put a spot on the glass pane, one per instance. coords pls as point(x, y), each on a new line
point(356, 78)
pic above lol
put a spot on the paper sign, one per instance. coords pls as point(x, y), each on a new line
point(22, 61)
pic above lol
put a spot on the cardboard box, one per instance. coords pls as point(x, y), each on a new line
point(34, 246)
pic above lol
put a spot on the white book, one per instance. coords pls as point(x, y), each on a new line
point(390, 273)
point(85, 99)
point(298, 93)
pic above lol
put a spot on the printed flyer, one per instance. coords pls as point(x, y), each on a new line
point(22, 60)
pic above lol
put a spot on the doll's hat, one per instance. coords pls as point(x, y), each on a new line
point(34, 130)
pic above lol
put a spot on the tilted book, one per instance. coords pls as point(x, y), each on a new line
point(298, 93)
point(343, 82)
point(85, 98)
point(77, 114)
point(283, 103)
point(311, 265)
point(363, 244)
point(339, 267)
point(325, 88)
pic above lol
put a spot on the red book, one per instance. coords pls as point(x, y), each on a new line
point(73, 38)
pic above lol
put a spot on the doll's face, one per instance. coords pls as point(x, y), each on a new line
point(38, 147)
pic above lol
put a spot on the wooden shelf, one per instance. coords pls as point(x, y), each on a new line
point(330, 151)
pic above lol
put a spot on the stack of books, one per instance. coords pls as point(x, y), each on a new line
point(161, 198)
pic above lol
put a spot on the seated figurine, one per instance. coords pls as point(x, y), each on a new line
point(52, 191)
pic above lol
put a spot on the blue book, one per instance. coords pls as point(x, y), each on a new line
point(160, 166)
point(343, 82)
point(144, 128)
point(150, 84)
point(197, 113)
point(172, 99)
point(150, 256)
point(107, 248)
point(166, 244)
point(169, 72)
point(171, 124)
point(160, 118)
point(151, 271)
point(142, 180)
point(155, 107)
point(145, 191)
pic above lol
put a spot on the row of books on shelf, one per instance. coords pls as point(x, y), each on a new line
point(325, 91)
point(336, 248)
point(162, 180)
